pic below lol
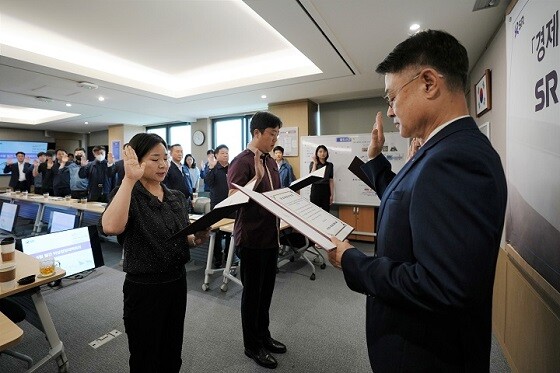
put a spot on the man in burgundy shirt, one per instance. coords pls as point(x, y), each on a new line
point(256, 239)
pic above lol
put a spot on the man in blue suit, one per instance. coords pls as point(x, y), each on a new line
point(429, 286)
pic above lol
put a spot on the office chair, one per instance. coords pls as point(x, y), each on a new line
point(293, 245)
point(16, 314)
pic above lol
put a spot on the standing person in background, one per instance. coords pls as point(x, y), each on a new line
point(98, 172)
point(117, 171)
point(194, 172)
point(429, 286)
point(78, 185)
point(322, 191)
point(46, 171)
point(61, 181)
point(37, 176)
point(178, 176)
point(257, 239)
point(216, 179)
point(284, 168)
point(204, 168)
point(21, 173)
point(144, 214)
point(117, 176)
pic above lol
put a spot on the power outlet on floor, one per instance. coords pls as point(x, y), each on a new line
point(105, 338)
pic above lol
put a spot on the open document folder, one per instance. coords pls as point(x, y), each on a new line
point(305, 217)
point(229, 205)
point(302, 182)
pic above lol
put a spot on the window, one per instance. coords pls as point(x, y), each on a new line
point(233, 132)
point(176, 133)
point(181, 135)
point(161, 131)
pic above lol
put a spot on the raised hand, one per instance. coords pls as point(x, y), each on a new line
point(212, 162)
point(132, 169)
point(377, 137)
point(110, 158)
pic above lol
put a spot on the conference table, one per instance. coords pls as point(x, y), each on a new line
point(58, 202)
point(28, 265)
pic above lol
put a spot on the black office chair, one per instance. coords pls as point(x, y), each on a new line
point(16, 314)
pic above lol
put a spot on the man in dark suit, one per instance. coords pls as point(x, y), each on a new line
point(429, 286)
point(178, 177)
point(21, 173)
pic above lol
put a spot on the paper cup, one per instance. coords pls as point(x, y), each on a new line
point(7, 276)
point(8, 249)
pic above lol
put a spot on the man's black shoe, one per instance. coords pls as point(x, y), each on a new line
point(263, 358)
point(274, 346)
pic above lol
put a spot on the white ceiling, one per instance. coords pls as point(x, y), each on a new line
point(179, 40)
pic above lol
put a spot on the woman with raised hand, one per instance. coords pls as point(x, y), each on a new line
point(144, 214)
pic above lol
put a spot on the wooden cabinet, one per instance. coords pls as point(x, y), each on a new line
point(362, 218)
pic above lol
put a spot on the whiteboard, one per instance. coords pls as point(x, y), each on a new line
point(348, 188)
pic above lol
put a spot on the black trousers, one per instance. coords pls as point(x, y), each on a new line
point(220, 258)
point(22, 186)
point(79, 194)
point(154, 318)
point(258, 274)
point(62, 192)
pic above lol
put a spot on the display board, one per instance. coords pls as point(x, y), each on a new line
point(533, 130)
point(348, 188)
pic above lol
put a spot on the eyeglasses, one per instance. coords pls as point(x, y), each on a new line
point(390, 101)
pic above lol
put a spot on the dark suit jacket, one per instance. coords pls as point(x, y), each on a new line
point(117, 173)
point(14, 177)
point(430, 284)
point(175, 180)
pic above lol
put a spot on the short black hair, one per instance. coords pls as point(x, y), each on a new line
point(80, 149)
point(98, 148)
point(433, 48)
point(20, 152)
point(142, 143)
point(278, 147)
point(174, 145)
point(50, 153)
point(262, 120)
point(210, 151)
point(220, 147)
point(41, 154)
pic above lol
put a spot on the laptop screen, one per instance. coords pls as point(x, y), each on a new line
point(76, 250)
point(60, 221)
point(8, 216)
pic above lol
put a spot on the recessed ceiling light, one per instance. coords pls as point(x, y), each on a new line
point(101, 98)
point(86, 122)
point(263, 96)
point(68, 104)
point(414, 27)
